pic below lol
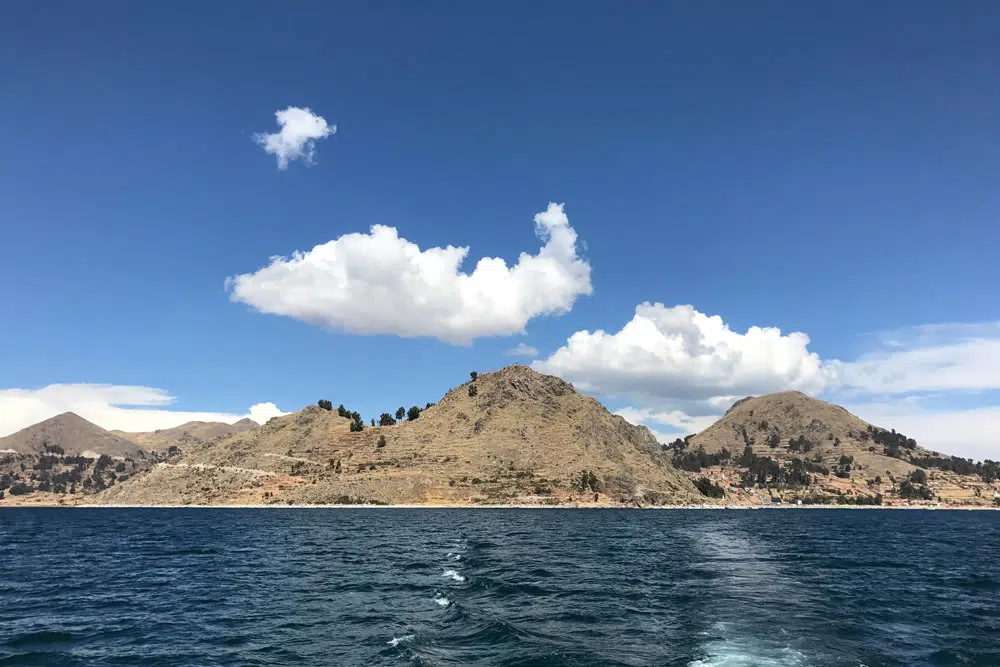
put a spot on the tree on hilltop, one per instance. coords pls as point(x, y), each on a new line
point(412, 413)
point(325, 404)
point(357, 425)
point(386, 420)
point(473, 375)
point(400, 413)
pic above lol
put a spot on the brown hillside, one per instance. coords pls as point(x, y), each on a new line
point(832, 430)
point(74, 434)
point(191, 433)
point(768, 423)
point(522, 437)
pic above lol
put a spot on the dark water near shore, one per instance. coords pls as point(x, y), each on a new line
point(498, 587)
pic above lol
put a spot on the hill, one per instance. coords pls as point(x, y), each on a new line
point(72, 435)
point(512, 436)
point(191, 433)
point(772, 444)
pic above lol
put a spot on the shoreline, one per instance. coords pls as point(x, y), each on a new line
point(517, 507)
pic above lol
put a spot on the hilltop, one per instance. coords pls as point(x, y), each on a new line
point(511, 436)
point(61, 459)
point(191, 433)
point(71, 434)
point(778, 441)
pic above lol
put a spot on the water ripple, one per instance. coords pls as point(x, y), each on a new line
point(165, 587)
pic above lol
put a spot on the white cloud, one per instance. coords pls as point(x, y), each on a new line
point(683, 369)
point(680, 356)
point(937, 358)
point(522, 350)
point(127, 408)
point(380, 283)
point(296, 140)
point(679, 422)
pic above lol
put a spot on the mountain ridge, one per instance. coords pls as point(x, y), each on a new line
point(192, 432)
point(509, 436)
point(808, 438)
point(73, 435)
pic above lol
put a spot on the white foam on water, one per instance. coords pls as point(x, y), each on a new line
point(396, 641)
point(453, 574)
point(442, 600)
point(748, 654)
point(457, 556)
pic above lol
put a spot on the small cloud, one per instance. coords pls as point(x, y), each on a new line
point(300, 130)
point(676, 422)
point(264, 412)
point(522, 350)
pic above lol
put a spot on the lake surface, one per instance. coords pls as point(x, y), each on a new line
point(338, 587)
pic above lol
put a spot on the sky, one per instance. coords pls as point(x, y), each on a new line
point(218, 210)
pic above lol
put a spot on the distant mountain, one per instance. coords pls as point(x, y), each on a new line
point(73, 435)
point(191, 433)
point(841, 454)
point(512, 436)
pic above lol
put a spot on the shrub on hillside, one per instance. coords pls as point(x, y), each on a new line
point(20, 489)
point(800, 444)
point(698, 459)
point(912, 492)
point(473, 391)
point(412, 413)
point(709, 488)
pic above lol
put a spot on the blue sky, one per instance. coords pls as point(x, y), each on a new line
point(829, 170)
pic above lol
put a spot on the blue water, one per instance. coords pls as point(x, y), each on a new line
point(498, 587)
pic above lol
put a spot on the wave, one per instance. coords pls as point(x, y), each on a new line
point(43, 637)
point(442, 600)
point(453, 575)
point(731, 653)
point(396, 641)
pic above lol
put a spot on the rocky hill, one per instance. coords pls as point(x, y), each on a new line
point(191, 433)
point(71, 434)
point(513, 436)
point(776, 442)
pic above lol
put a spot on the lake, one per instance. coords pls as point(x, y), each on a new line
point(371, 586)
